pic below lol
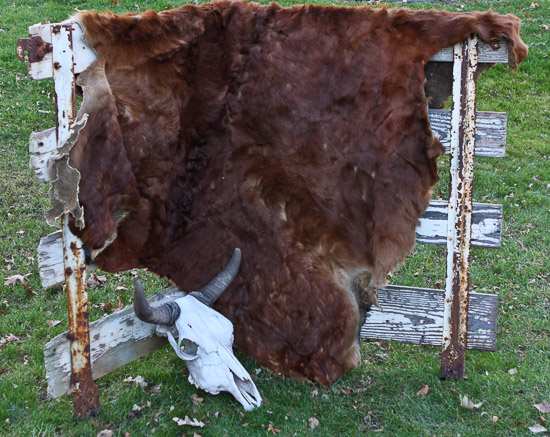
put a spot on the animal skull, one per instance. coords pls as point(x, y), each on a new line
point(207, 336)
point(208, 339)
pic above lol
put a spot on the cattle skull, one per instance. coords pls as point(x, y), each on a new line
point(207, 337)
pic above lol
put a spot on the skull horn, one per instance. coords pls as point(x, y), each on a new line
point(209, 293)
point(166, 314)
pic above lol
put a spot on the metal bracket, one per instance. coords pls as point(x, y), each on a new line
point(36, 48)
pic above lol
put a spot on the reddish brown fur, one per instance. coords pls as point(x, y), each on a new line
point(298, 134)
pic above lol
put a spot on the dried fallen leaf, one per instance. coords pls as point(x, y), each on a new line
point(543, 407)
point(545, 26)
point(196, 399)
point(13, 279)
point(91, 282)
point(105, 433)
point(155, 389)
point(52, 323)
point(10, 280)
point(468, 404)
point(188, 421)
point(384, 345)
point(423, 391)
point(382, 357)
point(138, 380)
point(121, 288)
point(119, 305)
point(537, 429)
point(272, 429)
point(512, 371)
point(9, 338)
point(101, 278)
point(313, 422)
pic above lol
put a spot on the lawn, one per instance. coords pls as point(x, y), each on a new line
point(381, 396)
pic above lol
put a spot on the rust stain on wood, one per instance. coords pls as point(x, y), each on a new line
point(36, 48)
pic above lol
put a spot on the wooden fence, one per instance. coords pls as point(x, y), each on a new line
point(454, 317)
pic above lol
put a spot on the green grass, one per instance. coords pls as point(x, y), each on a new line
point(381, 395)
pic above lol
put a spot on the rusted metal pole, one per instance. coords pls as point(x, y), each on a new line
point(83, 387)
point(463, 123)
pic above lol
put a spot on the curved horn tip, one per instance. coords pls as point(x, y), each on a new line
point(141, 306)
point(237, 256)
point(209, 293)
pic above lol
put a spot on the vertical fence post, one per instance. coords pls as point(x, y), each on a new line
point(85, 391)
point(463, 123)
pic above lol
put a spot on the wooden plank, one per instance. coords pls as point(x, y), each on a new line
point(490, 139)
point(490, 135)
point(116, 340)
point(486, 232)
point(486, 55)
point(42, 69)
point(51, 267)
point(411, 315)
point(486, 224)
point(83, 54)
point(41, 147)
point(415, 315)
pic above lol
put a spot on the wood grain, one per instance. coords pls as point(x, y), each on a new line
point(415, 315)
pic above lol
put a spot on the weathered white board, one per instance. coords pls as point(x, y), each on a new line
point(486, 224)
point(490, 138)
point(41, 147)
point(83, 54)
point(486, 55)
point(51, 267)
point(411, 315)
point(115, 340)
point(415, 315)
point(486, 232)
point(490, 135)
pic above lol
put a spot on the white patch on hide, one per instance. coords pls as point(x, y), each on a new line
point(208, 338)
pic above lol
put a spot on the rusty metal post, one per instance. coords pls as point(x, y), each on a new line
point(463, 123)
point(83, 387)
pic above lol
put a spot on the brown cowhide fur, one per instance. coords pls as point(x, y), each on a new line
point(298, 134)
